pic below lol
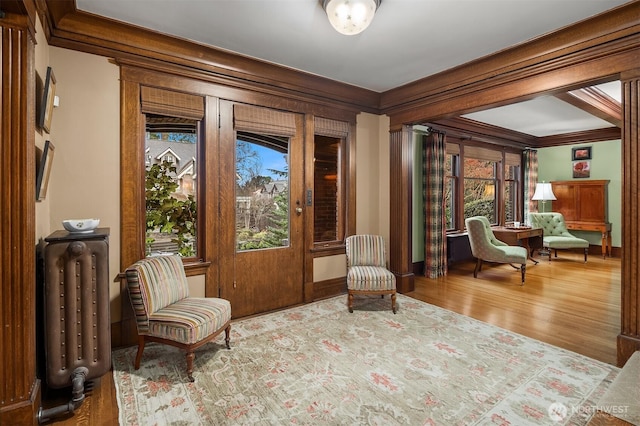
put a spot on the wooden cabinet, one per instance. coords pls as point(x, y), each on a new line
point(583, 203)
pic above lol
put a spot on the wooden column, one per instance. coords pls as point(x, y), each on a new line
point(629, 337)
point(401, 160)
point(19, 386)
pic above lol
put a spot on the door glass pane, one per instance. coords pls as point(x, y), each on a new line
point(170, 185)
point(262, 191)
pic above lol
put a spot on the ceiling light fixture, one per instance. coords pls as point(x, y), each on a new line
point(350, 17)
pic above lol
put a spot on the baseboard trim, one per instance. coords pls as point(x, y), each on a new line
point(328, 288)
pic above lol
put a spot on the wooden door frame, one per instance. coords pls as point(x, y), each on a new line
point(229, 270)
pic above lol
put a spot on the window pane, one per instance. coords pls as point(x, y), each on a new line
point(327, 189)
point(480, 189)
point(262, 191)
point(512, 174)
point(170, 185)
point(450, 183)
point(449, 191)
point(509, 201)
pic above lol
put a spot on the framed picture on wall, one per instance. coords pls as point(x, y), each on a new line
point(582, 169)
point(44, 171)
point(581, 153)
point(46, 106)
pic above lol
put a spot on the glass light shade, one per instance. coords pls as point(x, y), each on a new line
point(543, 192)
point(350, 17)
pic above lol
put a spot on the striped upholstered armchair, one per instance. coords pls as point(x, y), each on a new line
point(166, 314)
point(367, 271)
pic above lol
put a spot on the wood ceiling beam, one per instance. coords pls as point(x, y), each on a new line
point(586, 136)
point(465, 128)
point(595, 102)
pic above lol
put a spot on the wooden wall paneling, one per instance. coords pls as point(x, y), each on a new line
point(132, 204)
point(176, 77)
point(351, 180)
point(629, 337)
point(308, 285)
point(401, 172)
point(208, 193)
point(77, 30)
point(226, 211)
point(20, 391)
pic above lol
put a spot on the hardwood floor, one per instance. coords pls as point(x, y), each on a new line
point(564, 302)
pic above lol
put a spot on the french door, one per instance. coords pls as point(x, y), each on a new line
point(261, 202)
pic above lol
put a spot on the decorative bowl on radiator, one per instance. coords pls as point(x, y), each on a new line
point(80, 225)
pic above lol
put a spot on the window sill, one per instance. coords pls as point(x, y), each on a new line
point(328, 250)
point(196, 267)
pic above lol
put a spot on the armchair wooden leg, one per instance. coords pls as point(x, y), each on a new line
point(141, 343)
point(523, 270)
point(478, 268)
point(190, 357)
point(226, 336)
point(586, 251)
point(350, 302)
point(393, 302)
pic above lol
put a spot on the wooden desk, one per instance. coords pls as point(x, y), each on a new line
point(603, 227)
point(529, 238)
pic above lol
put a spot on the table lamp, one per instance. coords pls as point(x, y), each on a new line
point(543, 193)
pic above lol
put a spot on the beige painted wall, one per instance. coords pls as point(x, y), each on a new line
point(85, 129)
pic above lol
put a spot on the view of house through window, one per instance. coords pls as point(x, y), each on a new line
point(262, 191)
point(170, 185)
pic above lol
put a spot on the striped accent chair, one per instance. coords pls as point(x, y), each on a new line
point(367, 271)
point(485, 247)
point(166, 314)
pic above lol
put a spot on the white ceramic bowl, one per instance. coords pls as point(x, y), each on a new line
point(80, 225)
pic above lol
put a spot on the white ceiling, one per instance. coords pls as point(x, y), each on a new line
point(546, 115)
point(407, 40)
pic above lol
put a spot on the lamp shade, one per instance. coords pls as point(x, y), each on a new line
point(350, 17)
point(543, 192)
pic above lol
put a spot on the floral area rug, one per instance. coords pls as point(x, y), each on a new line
point(320, 365)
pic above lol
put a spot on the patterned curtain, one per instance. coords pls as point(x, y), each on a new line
point(435, 228)
point(530, 180)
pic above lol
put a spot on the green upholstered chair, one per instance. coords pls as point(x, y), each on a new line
point(485, 247)
point(555, 234)
point(166, 314)
point(367, 271)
